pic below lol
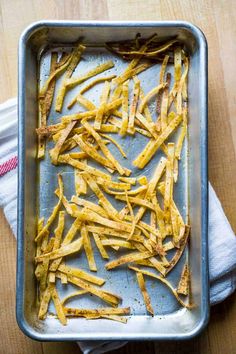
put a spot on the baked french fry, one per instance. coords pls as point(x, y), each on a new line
point(101, 109)
point(134, 106)
point(104, 295)
point(150, 95)
point(105, 150)
point(88, 249)
point(100, 311)
point(79, 273)
point(184, 282)
point(147, 300)
point(164, 281)
point(54, 153)
point(153, 145)
point(45, 301)
point(58, 306)
point(54, 212)
point(75, 58)
point(125, 107)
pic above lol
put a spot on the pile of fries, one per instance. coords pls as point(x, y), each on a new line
point(82, 137)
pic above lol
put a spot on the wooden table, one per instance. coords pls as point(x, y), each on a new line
point(218, 21)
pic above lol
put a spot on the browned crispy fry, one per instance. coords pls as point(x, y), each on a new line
point(153, 145)
point(142, 285)
point(54, 153)
point(79, 273)
point(163, 280)
point(97, 312)
point(45, 301)
point(134, 105)
point(88, 249)
point(179, 251)
point(184, 282)
point(82, 166)
point(105, 150)
point(104, 295)
point(54, 213)
point(129, 258)
point(58, 306)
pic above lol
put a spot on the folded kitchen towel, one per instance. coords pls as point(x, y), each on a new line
point(222, 241)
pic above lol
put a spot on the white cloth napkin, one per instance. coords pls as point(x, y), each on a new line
point(222, 241)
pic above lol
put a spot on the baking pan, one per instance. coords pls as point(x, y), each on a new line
point(36, 183)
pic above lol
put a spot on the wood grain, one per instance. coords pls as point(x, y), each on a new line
point(218, 21)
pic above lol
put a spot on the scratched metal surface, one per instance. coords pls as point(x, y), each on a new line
point(121, 281)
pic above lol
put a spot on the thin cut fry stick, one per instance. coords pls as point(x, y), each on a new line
point(183, 286)
point(88, 249)
point(58, 306)
point(101, 109)
point(128, 258)
point(75, 58)
point(92, 152)
point(116, 144)
point(93, 72)
point(149, 126)
point(82, 166)
point(104, 295)
point(45, 301)
point(97, 312)
point(79, 273)
point(100, 245)
point(147, 300)
point(83, 101)
point(76, 293)
point(53, 75)
point(163, 280)
point(168, 196)
point(45, 103)
point(105, 150)
point(54, 213)
point(125, 103)
point(80, 184)
point(63, 251)
point(160, 49)
point(163, 68)
point(111, 211)
point(54, 153)
point(89, 205)
point(150, 149)
point(134, 105)
point(149, 96)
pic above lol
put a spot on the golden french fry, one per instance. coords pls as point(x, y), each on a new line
point(75, 58)
point(45, 301)
point(134, 105)
point(88, 249)
point(54, 212)
point(129, 258)
point(184, 282)
point(152, 146)
point(163, 280)
point(104, 295)
point(79, 273)
point(54, 153)
point(58, 306)
point(142, 285)
point(97, 312)
point(125, 107)
point(116, 144)
point(101, 109)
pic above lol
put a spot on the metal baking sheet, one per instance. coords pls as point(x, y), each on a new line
point(37, 182)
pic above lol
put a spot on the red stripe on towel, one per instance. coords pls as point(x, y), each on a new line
point(8, 165)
